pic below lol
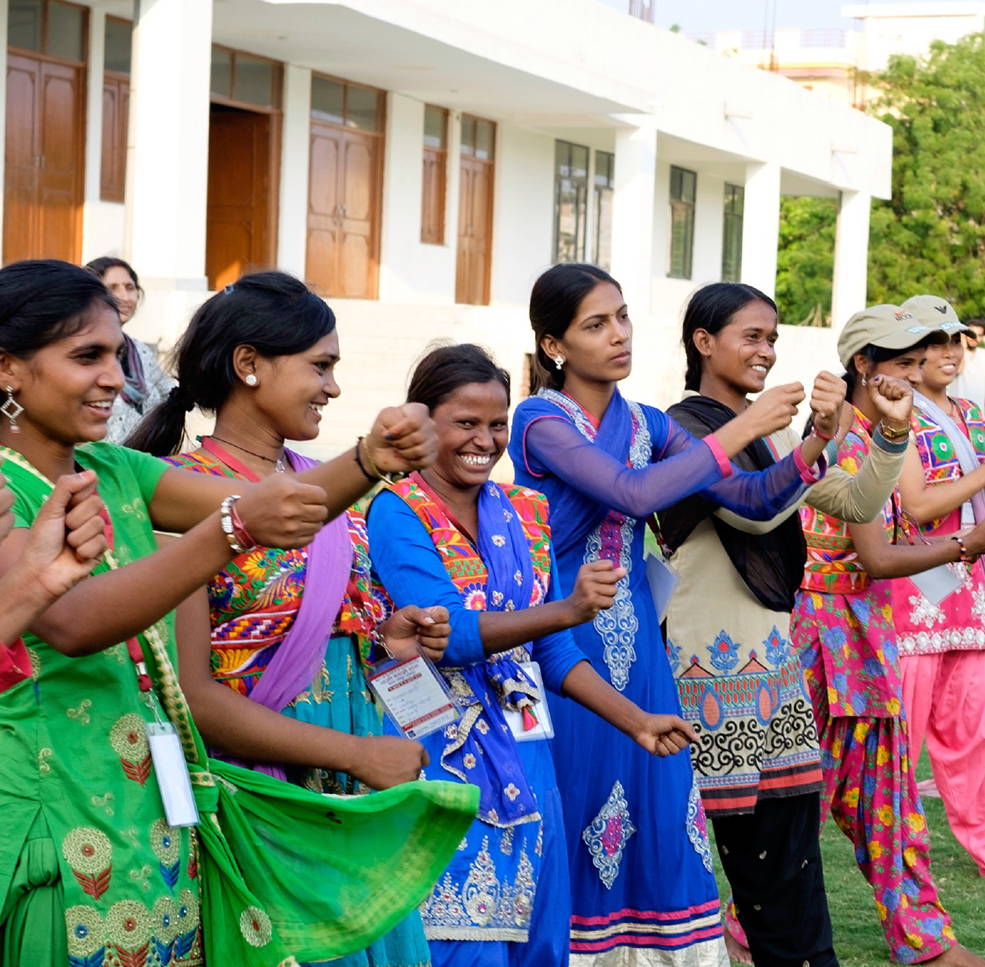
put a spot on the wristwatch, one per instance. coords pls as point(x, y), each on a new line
point(893, 433)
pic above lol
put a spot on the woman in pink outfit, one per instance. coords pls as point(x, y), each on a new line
point(942, 644)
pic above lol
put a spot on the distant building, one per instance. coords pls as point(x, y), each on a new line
point(835, 63)
point(419, 163)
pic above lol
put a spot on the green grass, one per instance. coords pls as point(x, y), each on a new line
point(858, 938)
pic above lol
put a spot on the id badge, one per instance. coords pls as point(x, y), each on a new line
point(543, 728)
point(414, 695)
point(171, 770)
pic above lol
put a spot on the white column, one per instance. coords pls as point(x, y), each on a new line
point(168, 158)
point(851, 257)
point(632, 214)
point(93, 132)
point(292, 231)
point(761, 226)
point(3, 108)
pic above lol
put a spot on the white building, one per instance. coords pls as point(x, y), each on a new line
point(420, 163)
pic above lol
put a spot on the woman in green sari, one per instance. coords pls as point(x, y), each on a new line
point(90, 868)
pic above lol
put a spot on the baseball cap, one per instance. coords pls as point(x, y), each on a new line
point(886, 326)
point(933, 311)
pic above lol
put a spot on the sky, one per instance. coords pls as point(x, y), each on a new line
point(707, 16)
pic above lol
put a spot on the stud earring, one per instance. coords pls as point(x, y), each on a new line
point(12, 409)
point(559, 362)
point(865, 380)
point(251, 379)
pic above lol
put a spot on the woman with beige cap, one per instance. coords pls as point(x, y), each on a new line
point(942, 643)
point(843, 626)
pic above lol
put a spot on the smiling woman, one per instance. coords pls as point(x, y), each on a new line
point(145, 383)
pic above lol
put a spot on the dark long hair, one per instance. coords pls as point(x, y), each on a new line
point(554, 302)
point(711, 308)
point(44, 300)
point(445, 369)
point(273, 312)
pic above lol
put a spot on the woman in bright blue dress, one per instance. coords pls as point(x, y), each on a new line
point(484, 552)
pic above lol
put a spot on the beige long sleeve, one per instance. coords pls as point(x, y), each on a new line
point(855, 498)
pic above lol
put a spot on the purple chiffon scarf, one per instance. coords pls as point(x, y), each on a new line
point(299, 656)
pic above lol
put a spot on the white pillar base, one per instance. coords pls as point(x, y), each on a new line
point(761, 226)
point(850, 281)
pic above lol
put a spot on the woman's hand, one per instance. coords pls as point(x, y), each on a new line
point(663, 735)
point(402, 439)
point(386, 760)
point(280, 511)
point(67, 537)
point(594, 590)
point(412, 631)
point(772, 410)
point(6, 502)
point(827, 397)
point(893, 398)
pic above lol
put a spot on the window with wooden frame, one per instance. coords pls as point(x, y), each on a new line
point(605, 183)
point(732, 233)
point(570, 201)
point(434, 175)
point(117, 40)
point(245, 79)
point(52, 27)
point(683, 188)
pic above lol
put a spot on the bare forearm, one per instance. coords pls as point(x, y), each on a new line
point(938, 500)
point(502, 630)
point(116, 605)
point(342, 481)
point(247, 730)
point(584, 684)
point(902, 560)
point(23, 600)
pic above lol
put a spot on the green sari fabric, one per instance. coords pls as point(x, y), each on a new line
point(276, 874)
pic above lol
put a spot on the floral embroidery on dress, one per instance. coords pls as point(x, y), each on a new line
point(128, 927)
point(777, 648)
point(165, 840)
point(86, 937)
point(128, 736)
point(612, 540)
point(89, 853)
point(81, 714)
point(724, 652)
point(697, 828)
point(924, 612)
point(255, 926)
point(481, 890)
point(607, 834)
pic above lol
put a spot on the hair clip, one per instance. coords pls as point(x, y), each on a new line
point(229, 288)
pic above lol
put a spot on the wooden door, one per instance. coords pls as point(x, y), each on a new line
point(474, 231)
point(343, 212)
point(44, 171)
point(238, 237)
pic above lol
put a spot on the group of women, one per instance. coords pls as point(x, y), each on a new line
point(304, 827)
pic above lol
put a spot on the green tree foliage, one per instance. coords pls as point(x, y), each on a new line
point(805, 259)
point(930, 236)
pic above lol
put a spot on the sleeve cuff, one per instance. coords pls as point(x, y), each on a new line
point(890, 446)
point(465, 645)
point(810, 475)
point(724, 464)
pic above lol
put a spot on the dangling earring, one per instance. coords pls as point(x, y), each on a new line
point(865, 380)
point(251, 379)
point(12, 409)
point(559, 361)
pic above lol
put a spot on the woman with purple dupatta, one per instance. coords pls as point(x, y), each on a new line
point(279, 684)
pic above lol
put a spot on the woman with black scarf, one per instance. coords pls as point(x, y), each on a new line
point(757, 761)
